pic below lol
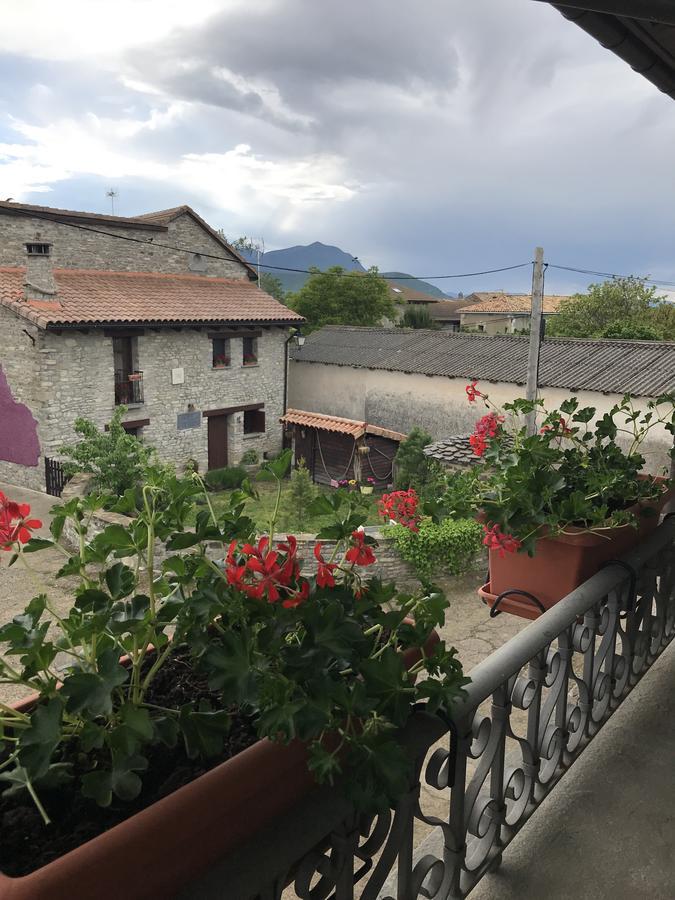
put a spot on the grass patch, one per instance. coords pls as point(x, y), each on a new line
point(261, 510)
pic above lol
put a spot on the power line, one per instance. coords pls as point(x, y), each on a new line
point(346, 274)
point(610, 275)
point(153, 243)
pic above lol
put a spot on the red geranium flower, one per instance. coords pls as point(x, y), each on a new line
point(472, 392)
point(401, 507)
point(496, 540)
point(15, 526)
point(360, 553)
point(324, 574)
point(298, 597)
point(259, 571)
point(487, 428)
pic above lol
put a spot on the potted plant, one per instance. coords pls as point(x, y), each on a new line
point(140, 760)
point(368, 487)
point(558, 504)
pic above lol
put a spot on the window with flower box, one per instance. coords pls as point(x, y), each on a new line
point(250, 355)
point(221, 353)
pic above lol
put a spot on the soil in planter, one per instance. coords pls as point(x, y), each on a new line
point(27, 844)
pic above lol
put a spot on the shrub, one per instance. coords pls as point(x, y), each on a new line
point(116, 459)
point(415, 470)
point(448, 548)
point(225, 479)
point(249, 458)
point(302, 492)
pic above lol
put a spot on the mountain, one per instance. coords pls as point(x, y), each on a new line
point(417, 284)
point(322, 256)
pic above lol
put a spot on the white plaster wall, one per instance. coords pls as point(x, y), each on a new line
point(439, 405)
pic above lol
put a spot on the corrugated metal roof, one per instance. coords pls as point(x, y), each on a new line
point(643, 368)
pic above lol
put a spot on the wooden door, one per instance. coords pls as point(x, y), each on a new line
point(217, 442)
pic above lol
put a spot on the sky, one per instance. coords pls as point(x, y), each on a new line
point(428, 137)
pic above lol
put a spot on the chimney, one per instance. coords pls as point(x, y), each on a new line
point(39, 283)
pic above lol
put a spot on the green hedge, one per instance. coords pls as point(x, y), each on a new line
point(446, 549)
point(225, 479)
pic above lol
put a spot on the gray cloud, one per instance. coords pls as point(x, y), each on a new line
point(471, 130)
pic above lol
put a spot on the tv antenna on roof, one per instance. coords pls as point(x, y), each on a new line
point(112, 193)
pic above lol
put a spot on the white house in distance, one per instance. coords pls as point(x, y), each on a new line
point(501, 313)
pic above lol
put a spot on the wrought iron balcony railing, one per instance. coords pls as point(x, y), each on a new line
point(128, 388)
point(531, 708)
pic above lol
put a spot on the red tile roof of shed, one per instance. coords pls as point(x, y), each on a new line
point(337, 424)
point(92, 297)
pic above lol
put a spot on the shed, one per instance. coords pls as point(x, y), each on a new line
point(335, 448)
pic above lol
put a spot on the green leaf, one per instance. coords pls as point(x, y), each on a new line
point(137, 721)
point(92, 692)
point(98, 786)
point(120, 580)
point(229, 666)
point(38, 742)
point(203, 730)
point(127, 615)
point(125, 782)
point(37, 544)
point(167, 730)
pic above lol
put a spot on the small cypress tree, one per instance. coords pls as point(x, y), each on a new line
point(302, 492)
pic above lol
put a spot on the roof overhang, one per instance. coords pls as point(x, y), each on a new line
point(641, 32)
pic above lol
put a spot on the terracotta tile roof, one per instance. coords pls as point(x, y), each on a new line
point(642, 368)
point(512, 303)
point(337, 424)
point(92, 297)
point(52, 212)
point(325, 423)
point(401, 293)
point(448, 309)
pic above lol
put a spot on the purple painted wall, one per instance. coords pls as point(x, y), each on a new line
point(18, 429)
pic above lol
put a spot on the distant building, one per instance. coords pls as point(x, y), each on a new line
point(500, 313)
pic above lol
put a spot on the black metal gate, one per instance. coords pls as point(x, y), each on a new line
point(54, 476)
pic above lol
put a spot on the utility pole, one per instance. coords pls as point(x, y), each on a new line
point(536, 334)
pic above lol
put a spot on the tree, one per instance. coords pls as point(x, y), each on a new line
point(115, 458)
point(301, 493)
point(271, 285)
point(417, 317)
point(625, 308)
point(337, 297)
point(413, 469)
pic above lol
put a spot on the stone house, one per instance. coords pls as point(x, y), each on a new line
point(501, 313)
point(157, 313)
point(399, 378)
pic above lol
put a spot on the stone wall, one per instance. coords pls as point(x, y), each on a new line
point(79, 381)
point(436, 403)
point(23, 362)
point(77, 248)
point(389, 565)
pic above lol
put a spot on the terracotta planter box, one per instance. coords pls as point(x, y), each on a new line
point(562, 563)
point(163, 848)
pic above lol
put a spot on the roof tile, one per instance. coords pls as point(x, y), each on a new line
point(93, 297)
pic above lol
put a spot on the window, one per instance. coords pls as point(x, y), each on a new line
point(38, 249)
point(221, 353)
point(250, 351)
point(254, 421)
